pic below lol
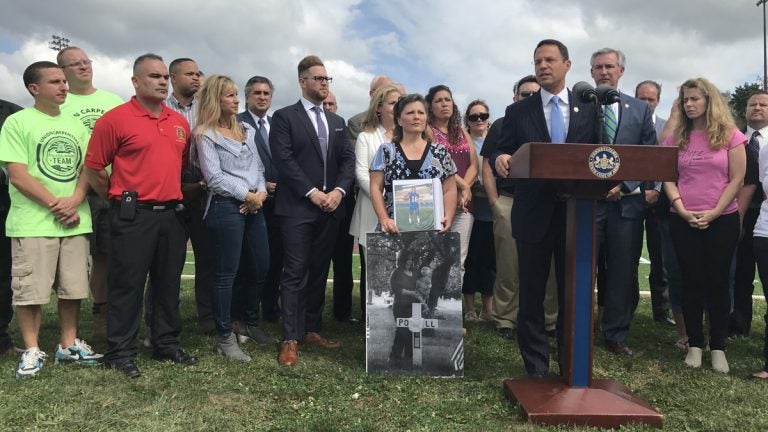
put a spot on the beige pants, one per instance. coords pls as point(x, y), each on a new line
point(505, 291)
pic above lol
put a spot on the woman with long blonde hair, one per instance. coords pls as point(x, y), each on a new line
point(229, 160)
point(711, 165)
point(378, 126)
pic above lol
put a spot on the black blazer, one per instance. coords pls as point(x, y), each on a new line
point(535, 200)
point(296, 153)
point(271, 174)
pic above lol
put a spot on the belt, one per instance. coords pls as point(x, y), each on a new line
point(158, 206)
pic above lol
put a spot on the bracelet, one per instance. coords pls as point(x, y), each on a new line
point(673, 201)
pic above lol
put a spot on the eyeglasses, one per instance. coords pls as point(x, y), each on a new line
point(527, 94)
point(79, 63)
point(320, 78)
point(478, 117)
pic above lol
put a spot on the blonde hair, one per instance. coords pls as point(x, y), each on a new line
point(718, 116)
point(208, 112)
point(372, 121)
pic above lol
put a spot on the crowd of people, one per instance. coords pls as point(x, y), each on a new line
point(269, 201)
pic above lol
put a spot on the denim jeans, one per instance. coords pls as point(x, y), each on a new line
point(241, 249)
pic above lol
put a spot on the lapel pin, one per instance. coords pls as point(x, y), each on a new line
point(575, 109)
point(626, 105)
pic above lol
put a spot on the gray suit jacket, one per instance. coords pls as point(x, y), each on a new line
point(635, 127)
point(659, 125)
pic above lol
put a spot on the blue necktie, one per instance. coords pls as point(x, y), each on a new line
point(264, 136)
point(322, 131)
point(753, 146)
point(556, 122)
point(611, 125)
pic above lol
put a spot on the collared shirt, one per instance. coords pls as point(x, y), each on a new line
point(190, 173)
point(762, 138)
point(308, 107)
point(266, 122)
point(564, 105)
point(146, 152)
point(231, 168)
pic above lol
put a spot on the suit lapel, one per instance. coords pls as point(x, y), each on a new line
point(537, 117)
point(309, 127)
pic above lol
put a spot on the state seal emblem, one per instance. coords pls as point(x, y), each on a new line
point(604, 162)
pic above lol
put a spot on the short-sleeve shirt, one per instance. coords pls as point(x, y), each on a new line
point(146, 152)
point(390, 160)
point(89, 108)
point(52, 148)
point(703, 172)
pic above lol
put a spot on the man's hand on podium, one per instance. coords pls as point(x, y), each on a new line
point(502, 165)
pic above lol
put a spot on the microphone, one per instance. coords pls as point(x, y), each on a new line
point(585, 92)
point(607, 95)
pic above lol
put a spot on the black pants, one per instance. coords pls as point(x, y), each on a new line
point(657, 278)
point(342, 265)
point(305, 271)
point(152, 243)
point(6, 295)
point(270, 308)
point(761, 255)
point(480, 265)
point(705, 262)
point(202, 247)
point(744, 276)
point(534, 260)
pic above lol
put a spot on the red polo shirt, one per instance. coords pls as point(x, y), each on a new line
point(146, 152)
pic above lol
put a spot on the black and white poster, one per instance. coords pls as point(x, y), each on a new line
point(414, 315)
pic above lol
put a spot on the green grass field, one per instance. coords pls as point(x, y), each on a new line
point(330, 391)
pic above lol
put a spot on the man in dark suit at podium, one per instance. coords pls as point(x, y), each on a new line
point(619, 215)
point(539, 212)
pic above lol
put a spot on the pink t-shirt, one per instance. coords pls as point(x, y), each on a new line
point(703, 172)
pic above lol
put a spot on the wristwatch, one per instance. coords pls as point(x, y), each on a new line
point(203, 185)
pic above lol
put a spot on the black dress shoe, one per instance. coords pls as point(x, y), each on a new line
point(506, 333)
point(664, 319)
point(127, 367)
point(620, 348)
point(178, 356)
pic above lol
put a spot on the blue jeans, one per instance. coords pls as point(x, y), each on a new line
point(241, 250)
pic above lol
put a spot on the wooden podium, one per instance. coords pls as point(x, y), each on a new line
point(586, 173)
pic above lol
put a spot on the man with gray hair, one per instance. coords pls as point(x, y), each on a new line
point(618, 215)
point(258, 100)
point(355, 123)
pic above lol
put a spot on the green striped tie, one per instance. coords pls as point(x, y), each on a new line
point(611, 125)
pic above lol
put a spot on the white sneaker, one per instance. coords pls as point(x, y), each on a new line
point(80, 353)
point(31, 362)
point(719, 362)
point(693, 358)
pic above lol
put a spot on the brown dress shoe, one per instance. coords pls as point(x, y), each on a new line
point(314, 338)
point(289, 353)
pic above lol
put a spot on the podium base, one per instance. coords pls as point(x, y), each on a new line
point(606, 404)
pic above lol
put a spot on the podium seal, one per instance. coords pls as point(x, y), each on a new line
point(604, 162)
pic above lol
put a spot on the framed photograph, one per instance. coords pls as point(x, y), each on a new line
point(418, 204)
point(414, 312)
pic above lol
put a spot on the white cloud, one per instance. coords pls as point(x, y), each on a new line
point(478, 48)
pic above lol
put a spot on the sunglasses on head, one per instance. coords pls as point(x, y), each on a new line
point(478, 117)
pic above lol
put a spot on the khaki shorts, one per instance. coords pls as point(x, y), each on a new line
point(38, 262)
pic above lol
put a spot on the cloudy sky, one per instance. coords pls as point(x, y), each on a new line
point(479, 48)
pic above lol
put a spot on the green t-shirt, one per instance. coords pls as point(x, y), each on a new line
point(87, 109)
point(53, 149)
